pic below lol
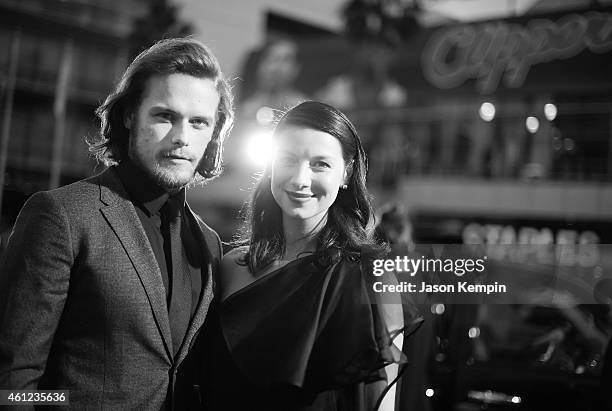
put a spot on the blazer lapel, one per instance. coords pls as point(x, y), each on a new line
point(121, 216)
point(207, 292)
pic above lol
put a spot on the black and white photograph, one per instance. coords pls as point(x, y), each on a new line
point(321, 205)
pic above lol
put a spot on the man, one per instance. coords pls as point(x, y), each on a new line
point(106, 282)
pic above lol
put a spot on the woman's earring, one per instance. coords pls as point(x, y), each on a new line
point(343, 186)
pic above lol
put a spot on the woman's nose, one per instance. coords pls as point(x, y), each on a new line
point(301, 176)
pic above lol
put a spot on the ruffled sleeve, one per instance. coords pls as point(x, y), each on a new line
point(311, 326)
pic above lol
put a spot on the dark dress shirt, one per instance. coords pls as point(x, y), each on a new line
point(148, 199)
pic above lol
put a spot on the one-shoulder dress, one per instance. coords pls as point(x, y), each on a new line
point(307, 336)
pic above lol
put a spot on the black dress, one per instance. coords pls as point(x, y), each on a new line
point(307, 336)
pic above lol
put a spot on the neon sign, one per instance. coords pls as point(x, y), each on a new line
point(494, 52)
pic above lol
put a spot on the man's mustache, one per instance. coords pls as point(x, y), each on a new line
point(176, 155)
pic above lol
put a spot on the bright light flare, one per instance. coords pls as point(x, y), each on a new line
point(259, 148)
point(429, 392)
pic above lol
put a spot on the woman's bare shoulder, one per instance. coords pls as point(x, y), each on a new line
point(234, 273)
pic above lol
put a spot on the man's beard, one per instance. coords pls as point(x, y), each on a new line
point(168, 178)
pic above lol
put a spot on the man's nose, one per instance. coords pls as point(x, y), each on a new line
point(180, 133)
point(301, 176)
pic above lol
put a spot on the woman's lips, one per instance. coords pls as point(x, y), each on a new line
point(299, 196)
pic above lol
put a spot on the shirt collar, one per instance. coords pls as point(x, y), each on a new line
point(143, 191)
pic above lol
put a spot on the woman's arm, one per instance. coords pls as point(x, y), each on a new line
point(393, 314)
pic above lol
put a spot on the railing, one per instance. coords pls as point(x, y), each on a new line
point(519, 143)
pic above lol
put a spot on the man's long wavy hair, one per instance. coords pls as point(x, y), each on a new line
point(171, 56)
point(349, 225)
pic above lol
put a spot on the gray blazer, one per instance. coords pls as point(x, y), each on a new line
point(82, 303)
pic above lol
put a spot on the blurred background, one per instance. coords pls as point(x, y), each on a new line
point(485, 121)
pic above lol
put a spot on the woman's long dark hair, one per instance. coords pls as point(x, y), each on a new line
point(349, 226)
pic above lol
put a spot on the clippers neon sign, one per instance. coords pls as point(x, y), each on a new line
point(494, 52)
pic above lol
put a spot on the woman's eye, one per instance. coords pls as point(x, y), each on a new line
point(321, 164)
point(285, 160)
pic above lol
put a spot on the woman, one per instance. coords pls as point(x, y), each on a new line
point(297, 328)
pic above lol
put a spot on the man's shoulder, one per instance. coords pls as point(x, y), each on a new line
point(85, 185)
point(79, 193)
point(210, 235)
point(203, 226)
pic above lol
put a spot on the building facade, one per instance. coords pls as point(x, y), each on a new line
point(59, 60)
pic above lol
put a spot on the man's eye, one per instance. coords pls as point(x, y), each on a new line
point(200, 122)
point(164, 116)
